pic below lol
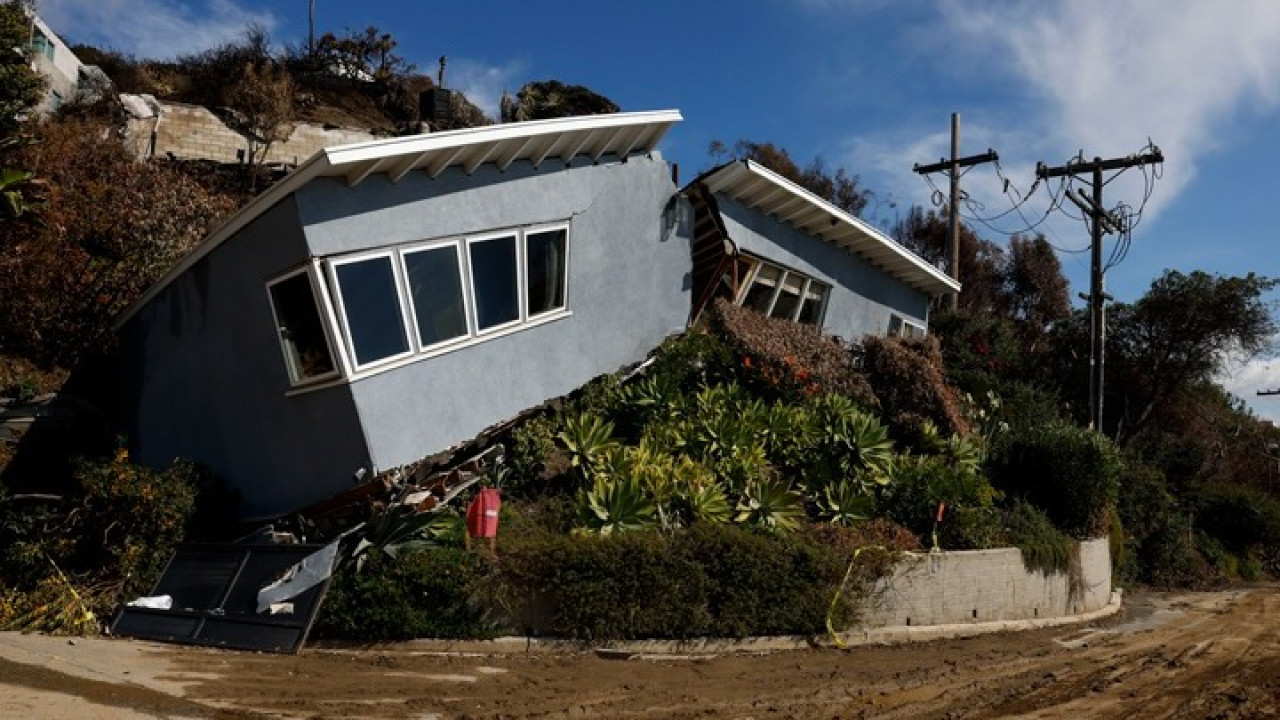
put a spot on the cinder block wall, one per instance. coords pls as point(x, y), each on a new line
point(987, 585)
point(193, 132)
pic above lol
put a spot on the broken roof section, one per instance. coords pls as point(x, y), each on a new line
point(765, 191)
point(561, 139)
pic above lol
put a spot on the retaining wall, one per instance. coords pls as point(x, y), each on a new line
point(974, 586)
point(193, 132)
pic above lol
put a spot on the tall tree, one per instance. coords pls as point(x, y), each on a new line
point(1036, 287)
point(21, 88)
point(1180, 333)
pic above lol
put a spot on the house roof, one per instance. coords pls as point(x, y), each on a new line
point(563, 139)
point(758, 187)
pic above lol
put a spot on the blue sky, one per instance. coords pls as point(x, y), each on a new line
point(870, 85)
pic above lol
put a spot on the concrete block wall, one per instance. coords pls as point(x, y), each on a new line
point(974, 586)
point(193, 132)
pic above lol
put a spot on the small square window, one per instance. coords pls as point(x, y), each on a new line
point(302, 337)
point(494, 278)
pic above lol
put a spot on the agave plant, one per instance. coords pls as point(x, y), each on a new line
point(398, 529)
point(845, 502)
point(617, 504)
point(588, 439)
point(771, 503)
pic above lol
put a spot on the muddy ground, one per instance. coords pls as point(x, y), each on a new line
point(1192, 655)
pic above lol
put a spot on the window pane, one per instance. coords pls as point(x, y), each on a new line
point(811, 309)
point(761, 292)
point(788, 298)
point(546, 270)
point(372, 307)
point(493, 277)
point(306, 350)
point(435, 287)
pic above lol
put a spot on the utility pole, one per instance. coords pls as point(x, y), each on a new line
point(1101, 221)
point(952, 168)
point(311, 27)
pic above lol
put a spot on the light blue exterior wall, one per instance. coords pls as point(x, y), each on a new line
point(203, 378)
point(862, 297)
point(628, 287)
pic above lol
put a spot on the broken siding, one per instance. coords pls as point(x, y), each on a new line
point(863, 298)
point(203, 378)
point(628, 287)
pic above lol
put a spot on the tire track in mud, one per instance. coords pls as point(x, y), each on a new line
point(1180, 655)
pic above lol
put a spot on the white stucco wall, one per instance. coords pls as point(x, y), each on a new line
point(986, 585)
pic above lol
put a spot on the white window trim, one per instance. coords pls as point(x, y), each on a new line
point(473, 315)
point(296, 383)
point(905, 322)
point(349, 345)
point(524, 269)
point(463, 282)
point(808, 282)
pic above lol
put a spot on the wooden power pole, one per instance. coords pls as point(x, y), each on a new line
point(952, 167)
point(1100, 221)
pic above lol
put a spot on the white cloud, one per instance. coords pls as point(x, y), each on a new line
point(1097, 76)
point(483, 84)
point(1245, 378)
point(152, 29)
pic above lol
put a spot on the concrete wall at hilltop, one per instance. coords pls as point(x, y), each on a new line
point(985, 585)
point(193, 132)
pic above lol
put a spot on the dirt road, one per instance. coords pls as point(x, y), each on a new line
point(1189, 655)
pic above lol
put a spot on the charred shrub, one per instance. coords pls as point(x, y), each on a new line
point(788, 360)
point(910, 383)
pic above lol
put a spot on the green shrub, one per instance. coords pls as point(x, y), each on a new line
point(708, 579)
point(972, 528)
point(1238, 516)
point(919, 483)
point(427, 593)
point(1044, 547)
point(1069, 472)
point(529, 446)
point(601, 587)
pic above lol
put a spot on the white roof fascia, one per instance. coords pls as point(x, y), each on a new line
point(740, 179)
point(433, 152)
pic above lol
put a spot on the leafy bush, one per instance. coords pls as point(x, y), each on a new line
point(784, 359)
point(1069, 472)
point(710, 579)
point(108, 542)
point(1239, 517)
point(417, 594)
point(1044, 547)
point(919, 483)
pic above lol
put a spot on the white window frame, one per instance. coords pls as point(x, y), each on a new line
point(902, 327)
point(473, 315)
point(524, 270)
point(464, 277)
point(333, 315)
point(348, 340)
point(808, 282)
point(322, 314)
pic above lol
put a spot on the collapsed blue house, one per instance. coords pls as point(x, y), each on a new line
point(388, 300)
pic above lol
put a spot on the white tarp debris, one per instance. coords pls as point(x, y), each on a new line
point(303, 576)
point(157, 602)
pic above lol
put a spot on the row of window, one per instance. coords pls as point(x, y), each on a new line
point(395, 303)
point(781, 293)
